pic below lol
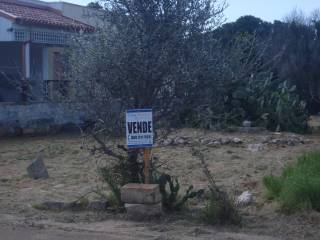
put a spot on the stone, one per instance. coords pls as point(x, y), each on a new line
point(225, 141)
point(251, 129)
point(205, 141)
point(244, 199)
point(247, 124)
point(255, 147)
point(179, 141)
point(167, 142)
point(214, 143)
point(37, 169)
point(140, 193)
point(237, 140)
point(98, 206)
point(143, 211)
point(276, 141)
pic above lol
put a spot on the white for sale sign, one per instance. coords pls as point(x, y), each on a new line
point(139, 128)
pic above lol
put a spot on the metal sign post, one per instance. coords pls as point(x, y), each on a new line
point(139, 134)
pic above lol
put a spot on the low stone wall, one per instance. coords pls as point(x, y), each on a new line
point(39, 118)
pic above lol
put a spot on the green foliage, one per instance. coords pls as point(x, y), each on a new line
point(114, 182)
point(211, 211)
point(276, 105)
point(113, 200)
point(171, 200)
point(38, 206)
point(220, 210)
point(95, 5)
point(294, 42)
point(274, 185)
point(245, 88)
point(298, 188)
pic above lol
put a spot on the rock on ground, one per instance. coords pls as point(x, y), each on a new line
point(37, 169)
point(255, 147)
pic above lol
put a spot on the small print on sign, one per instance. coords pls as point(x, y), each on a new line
point(139, 128)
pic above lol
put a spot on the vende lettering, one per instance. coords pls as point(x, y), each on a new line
point(140, 127)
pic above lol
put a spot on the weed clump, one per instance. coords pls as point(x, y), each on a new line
point(171, 200)
point(298, 187)
point(219, 208)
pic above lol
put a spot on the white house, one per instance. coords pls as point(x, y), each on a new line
point(32, 36)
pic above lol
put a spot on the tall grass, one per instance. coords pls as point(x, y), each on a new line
point(298, 187)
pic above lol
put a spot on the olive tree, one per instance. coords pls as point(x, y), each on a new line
point(148, 55)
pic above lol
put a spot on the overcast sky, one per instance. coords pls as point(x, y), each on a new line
point(268, 10)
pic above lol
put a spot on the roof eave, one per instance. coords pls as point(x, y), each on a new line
point(7, 15)
point(56, 27)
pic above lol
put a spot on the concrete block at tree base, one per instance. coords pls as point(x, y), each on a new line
point(143, 211)
point(37, 169)
point(140, 193)
point(314, 124)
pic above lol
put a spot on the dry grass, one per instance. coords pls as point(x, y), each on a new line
point(73, 173)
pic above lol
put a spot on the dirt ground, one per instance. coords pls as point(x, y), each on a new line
point(73, 173)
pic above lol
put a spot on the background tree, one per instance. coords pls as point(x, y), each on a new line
point(95, 5)
point(294, 42)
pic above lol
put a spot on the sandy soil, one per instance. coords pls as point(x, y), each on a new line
point(73, 173)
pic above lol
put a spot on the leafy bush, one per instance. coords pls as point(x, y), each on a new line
point(219, 208)
point(241, 85)
point(273, 185)
point(114, 182)
point(126, 169)
point(280, 107)
point(298, 188)
point(266, 101)
point(171, 200)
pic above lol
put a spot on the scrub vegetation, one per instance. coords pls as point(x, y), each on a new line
point(298, 187)
point(178, 58)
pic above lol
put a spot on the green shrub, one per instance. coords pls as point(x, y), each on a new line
point(219, 209)
point(211, 211)
point(114, 182)
point(273, 185)
point(298, 188)
point(171, 200)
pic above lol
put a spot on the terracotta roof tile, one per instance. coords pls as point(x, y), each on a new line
point(27, 14)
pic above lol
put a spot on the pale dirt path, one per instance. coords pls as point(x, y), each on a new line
point(33, 234)
point(115, 230)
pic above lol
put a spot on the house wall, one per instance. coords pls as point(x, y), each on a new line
point(5, 35)
point(10, 71)
point(42, 117)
